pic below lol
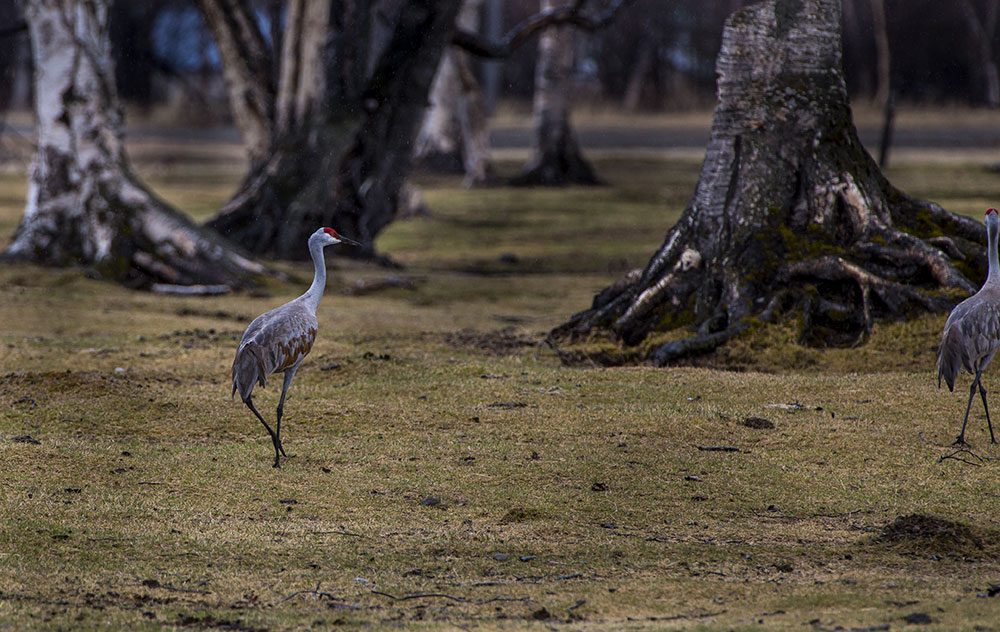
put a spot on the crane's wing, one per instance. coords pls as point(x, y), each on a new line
point(971, 337)
point(275, 341)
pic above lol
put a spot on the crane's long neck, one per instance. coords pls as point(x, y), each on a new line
point(315, 291)
point(991, 233)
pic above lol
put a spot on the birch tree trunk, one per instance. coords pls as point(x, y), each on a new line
point(454, 135)
point(639, 72)
point(84, 205)
point(346, 111)
point(983, 33)
point(556, 159)
point(791, 217)
point(880, 27)
point(248, 71)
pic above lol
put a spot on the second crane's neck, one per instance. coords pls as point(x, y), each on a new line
point(315, 291)
point(992, 227)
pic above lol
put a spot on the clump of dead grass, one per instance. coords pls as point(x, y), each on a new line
point(925, 535)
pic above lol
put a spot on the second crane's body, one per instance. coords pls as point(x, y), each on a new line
point(278, 340)
point(971, 334)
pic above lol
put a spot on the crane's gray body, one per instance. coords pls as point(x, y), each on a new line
point(278, 340)
point(971, 334)
point(275, 341)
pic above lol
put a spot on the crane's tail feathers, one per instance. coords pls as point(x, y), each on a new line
point(248, 368)
point(949, 363)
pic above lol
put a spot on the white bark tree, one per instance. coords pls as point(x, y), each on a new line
point(880, 28)
point(983, 33)
point(556, 156)
point(84, 204)
point(454, 135)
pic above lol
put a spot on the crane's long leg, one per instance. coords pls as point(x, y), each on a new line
point(274, 437)
point(289, 375)
point(989, 424)
point(972, 394)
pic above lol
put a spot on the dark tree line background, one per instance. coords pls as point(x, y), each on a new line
point(658, 54)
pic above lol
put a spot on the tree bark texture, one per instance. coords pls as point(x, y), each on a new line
point(557, 159)
point(454, 136)
point(84, 205)
point(983, 33)
point(344, 135)
point(790, 215)
point(880, 27)
point(247, 69)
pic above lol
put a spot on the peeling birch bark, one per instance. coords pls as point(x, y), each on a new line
point(84, 205)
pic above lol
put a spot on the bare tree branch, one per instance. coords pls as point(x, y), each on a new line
point(567, 14)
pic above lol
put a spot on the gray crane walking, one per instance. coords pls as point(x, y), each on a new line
point(279, 340)
point(972, 332)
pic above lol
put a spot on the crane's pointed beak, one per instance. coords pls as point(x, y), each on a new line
point(348, 240)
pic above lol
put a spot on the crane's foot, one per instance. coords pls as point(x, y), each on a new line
point(960, 441)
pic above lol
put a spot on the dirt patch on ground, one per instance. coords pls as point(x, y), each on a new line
point(923, 535)
point(520, 514)
point(757, 423)
point(506, 341)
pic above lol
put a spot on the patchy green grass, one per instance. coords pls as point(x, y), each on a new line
point(443, 473)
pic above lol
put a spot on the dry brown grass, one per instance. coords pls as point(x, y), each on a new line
point(137, 495)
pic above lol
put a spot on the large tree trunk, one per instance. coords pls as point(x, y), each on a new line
point(982, 31)
point(880, 27)
point(790, 215)
point(557, 159)
point(639, 72)
point(454, 136)
point(248, 71)
point(347, 108)
point(84, 205)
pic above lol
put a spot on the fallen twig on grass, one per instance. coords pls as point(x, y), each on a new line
point(926, 440)
point(718, 448)
point(704, 615)
point(422, 596)
point(320, 595)
point(564, 577)
point(954, 456)
point(478, 602)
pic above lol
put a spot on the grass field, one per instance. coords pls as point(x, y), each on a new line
point(446, 474)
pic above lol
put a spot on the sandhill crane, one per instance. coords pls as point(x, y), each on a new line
point(972, 332)
point(279, 340)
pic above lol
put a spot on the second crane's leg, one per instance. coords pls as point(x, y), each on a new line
point(274, 437)
point(972, 394)
point(989, 424)
point(289, 374)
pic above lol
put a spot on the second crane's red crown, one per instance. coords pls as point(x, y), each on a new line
point(992, 210)
point(333, 233)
